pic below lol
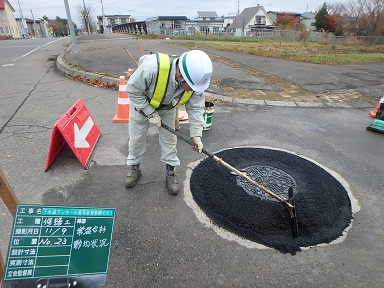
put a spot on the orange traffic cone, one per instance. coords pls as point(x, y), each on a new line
point(374, 111)
point(123, 103)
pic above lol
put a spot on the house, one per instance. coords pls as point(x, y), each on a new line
point(8, 25)
point(166, 25)
point(274, 15)
point(111, 21)
point(23, 28)
point(285, 20)
point(251, 20)
point(207, 23)
point(307, 18)
point(36, 28)
point(309, 21)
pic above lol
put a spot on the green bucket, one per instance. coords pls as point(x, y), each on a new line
point(377, 125)
point(208, 115)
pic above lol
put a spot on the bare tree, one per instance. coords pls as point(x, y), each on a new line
point(360, 17)
point(85, 14)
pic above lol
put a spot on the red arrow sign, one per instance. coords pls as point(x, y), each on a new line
point(76, 128)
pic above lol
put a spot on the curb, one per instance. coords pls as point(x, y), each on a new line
point(233, 100)
point(67, 70)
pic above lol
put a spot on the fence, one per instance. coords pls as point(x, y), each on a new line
point(281, 35)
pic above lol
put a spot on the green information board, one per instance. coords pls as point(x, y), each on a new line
point(58, 242)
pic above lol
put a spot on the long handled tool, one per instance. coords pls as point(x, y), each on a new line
point(130, 55)
point(138, 43)
point(288, 204)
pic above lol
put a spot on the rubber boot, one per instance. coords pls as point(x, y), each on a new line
point(171, 180)
point(133, 175)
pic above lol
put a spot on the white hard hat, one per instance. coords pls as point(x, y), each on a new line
point(196, 68)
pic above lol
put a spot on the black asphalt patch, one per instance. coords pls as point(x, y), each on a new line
point(323, 207)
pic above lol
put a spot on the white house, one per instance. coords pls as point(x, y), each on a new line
point(206, 22)
point(250, 20)
point(111, 21)
point(308, 19)
point(166, 25)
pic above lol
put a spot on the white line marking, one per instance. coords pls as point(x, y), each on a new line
point(35, 49)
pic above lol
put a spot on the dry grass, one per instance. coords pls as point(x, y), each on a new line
point(324, 53)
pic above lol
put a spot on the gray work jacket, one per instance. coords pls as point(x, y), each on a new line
point(141, 86)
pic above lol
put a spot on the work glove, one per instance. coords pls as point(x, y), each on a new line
point(154, 119)
point(198, 144)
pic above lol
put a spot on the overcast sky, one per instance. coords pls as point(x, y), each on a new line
point(144, 9)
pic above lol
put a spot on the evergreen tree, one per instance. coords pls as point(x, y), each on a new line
point(322, 18)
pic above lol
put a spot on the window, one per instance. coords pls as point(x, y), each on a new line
point(2, 14)
point(260, 20)
point(7, 29)
point(1, 30)
point(177, 25)
point(204, 29)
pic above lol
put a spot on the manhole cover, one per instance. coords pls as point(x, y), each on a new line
point(271, 178)
point(323, 206)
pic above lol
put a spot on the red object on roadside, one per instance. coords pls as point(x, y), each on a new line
point(77, 129)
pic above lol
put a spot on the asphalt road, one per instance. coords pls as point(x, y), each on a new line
point(163, 241)
point(105, 54)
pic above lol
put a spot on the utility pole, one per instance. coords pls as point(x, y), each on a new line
point(23, 22)
point(35, 31)
point(75, 49)
point(86, 17)
point(102, 10)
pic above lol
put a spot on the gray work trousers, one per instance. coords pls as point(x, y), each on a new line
point(138, 129)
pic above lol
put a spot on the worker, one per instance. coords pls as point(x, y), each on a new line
point(160, 85)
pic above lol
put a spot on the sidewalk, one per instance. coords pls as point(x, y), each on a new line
point(237, 78)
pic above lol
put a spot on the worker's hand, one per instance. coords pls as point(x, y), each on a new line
point(198, 144)
point(155, 119)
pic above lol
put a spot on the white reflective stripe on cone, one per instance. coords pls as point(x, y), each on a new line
point(123, 88)
point(123, 101)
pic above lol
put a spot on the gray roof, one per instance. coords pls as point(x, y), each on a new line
point(308, 15)
point(172, 18)
point(167, 18)
point(245, 16)
point(207, 14)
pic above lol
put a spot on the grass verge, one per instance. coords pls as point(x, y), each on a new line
point(325, 53)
